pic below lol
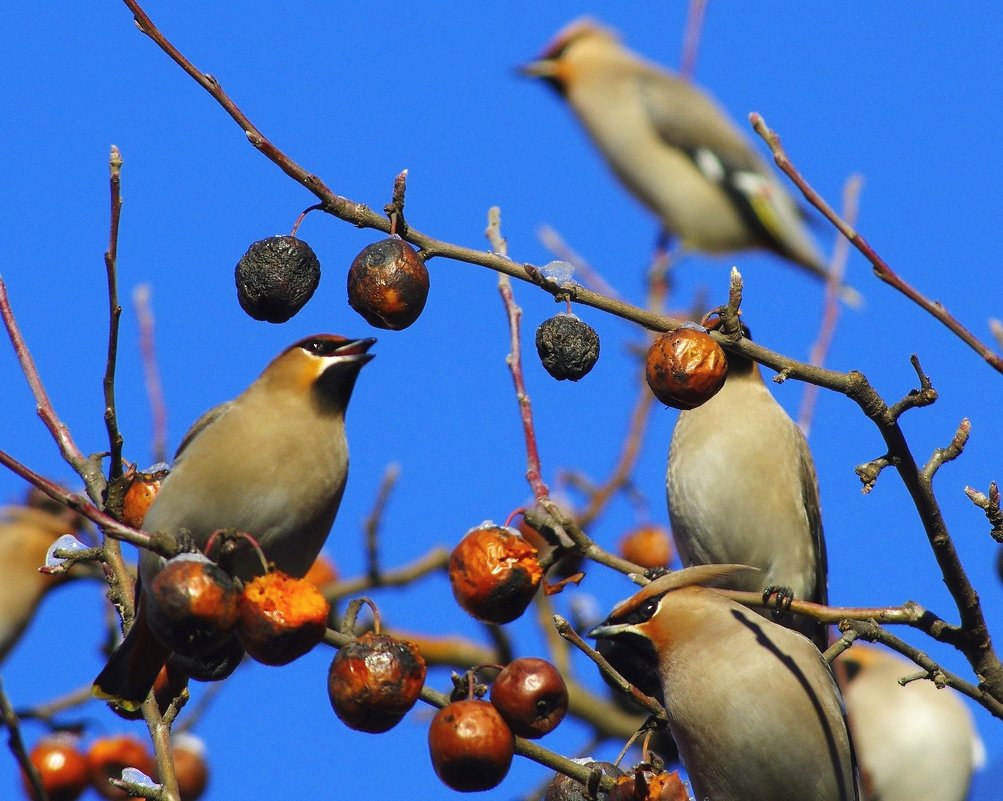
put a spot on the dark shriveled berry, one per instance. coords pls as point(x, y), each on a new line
point(568, 347)
point(388, 284)
point(276, 277)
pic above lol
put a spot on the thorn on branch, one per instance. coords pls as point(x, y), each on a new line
point(990, 504)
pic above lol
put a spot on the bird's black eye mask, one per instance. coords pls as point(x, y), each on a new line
point(642, 613)
point(323, 346)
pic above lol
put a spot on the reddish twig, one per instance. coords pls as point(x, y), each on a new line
point(881, 268)
point(831, 305)
point(108, 524)
point(114, 316)
point(514, 361)
point(148, 353)
point(691, 38)
point(88, 470)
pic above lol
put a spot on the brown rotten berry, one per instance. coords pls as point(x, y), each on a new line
point(276, 277)
point(531, 696)
point(64, 771)
point(649, 546)
point(568, 347)
point(685, 368)
point(470, 745)
point(564, 788)
point(388, 284)
point(494, 573)
point(109, 756)
point(374, 681)
point(193, 604)
point(281, 618)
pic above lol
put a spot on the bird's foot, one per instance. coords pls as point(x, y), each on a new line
point(653, 573)
point(780, 597)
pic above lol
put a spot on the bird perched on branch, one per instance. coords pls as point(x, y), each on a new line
point(751, 705)
point(674, 148)
point(742, 489)
point(271, 463)
point(914, 741)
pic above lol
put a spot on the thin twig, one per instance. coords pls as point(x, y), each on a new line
point(435, 560)
point(16, 744)
point(373, 520)
point(831, 305)
point(565, 629)
point(88, 470)
point(114, 316)
point(691, 38)
point(881, 269)
point(514, 360)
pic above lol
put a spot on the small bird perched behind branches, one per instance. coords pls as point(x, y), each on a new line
point(741, 488)
point(914, 741)
point(271, 463)
point(752, 705)
point(674, 148)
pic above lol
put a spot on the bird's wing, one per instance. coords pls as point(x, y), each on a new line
point(207, 419)
point(690, 121)
point(809, 495)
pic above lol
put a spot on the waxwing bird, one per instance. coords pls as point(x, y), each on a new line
point(752, 706)
point(26, 534)
point(914, 742)
point(271, 463)
point(742, 489)
point(674, 148)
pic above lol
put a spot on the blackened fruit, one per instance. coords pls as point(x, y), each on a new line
point(568, 347)
point(685, 368)
point(494, 573)
point(193, 604)
point(374, 681)
point(470, 745)
point(64, 771)
point(276, 277)
point(281, 618)
point(531, 696)
point(388, 284)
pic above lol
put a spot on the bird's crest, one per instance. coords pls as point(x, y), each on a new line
point(576, 29)
point(696, 576)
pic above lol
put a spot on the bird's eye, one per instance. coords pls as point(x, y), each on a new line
point(322, 346)
point(648, 608)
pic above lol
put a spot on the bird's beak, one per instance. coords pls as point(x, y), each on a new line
point(356, 351)
point(607, 631)
point(544, 68)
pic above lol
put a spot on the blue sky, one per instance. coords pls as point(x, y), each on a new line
point(908, 96)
